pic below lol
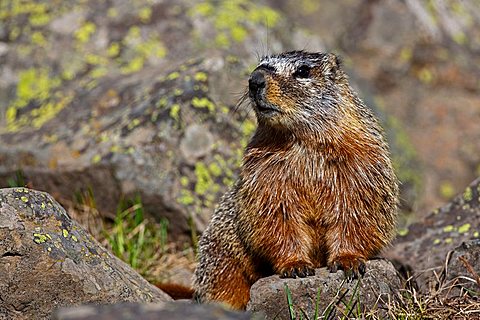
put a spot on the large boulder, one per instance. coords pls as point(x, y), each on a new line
point(326, 294)
point(121, 99)
point(49, 261)
point(426, 243)
point(170, 311)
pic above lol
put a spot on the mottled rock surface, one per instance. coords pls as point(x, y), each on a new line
point(463, 268)
point(171, 310)
point(426, 244)
point(48, 261)
point(328, 292)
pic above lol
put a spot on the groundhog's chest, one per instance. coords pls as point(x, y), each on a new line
point(306, 188)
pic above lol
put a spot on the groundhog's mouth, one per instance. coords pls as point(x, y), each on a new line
point(265, 108)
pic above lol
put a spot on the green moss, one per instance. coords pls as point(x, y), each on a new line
point(222, 40)
point(98, 72)
point(184, 181)
point(205, 185)
point(174, 75)
point(402, 232)
point(215, 169)
point(446, 190)
point(437, 241)
point(140, 49)
point(14, 33)
point(425, 75)
point(204, 9)
point(248, 128)
point(200, 76)
point(135, 64)
point(39, 19)
point(37, 11)
point(476, 234)
point(115, 149)
point(38, 39)
point(448, 228)
point(153, 47)
point(41, 238)
point(460, 38)
point(233, 18)
point(175, 111)
point(35, 85)
point(24, 199)
point(112, 12)
point(224, 109)
point(464, 228)
point(468, 194)
point(113, 50)
point(65, 233)
point(48, 111)
point(95, 59)
point(145, 14)
point(309, 6)
point(96, 158)
point(204, 179)
point(84, 33)
point(203, 103)
point(406, 54)
point(186, 198)
point(133, 124)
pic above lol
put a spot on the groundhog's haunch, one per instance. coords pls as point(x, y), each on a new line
point(316, 187)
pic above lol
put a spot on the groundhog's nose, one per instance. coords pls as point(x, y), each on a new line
point(256, 82)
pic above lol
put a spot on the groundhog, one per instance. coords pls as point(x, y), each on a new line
point(316, 187)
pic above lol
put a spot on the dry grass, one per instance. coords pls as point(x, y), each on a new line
point(144, 240)
point(446, 299)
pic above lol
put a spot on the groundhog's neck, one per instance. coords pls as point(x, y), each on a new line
point(346, 145)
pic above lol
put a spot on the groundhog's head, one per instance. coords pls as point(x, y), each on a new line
point(297, 88)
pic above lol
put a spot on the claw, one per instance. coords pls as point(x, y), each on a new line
point(353, 267)
point(298, 270)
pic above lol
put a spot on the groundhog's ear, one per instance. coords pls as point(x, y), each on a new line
point(334, 64)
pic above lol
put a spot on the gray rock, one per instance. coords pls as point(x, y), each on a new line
point(326, 292)
point(123, 96)
point(196, 143)
point(67, 23)
point(463, 268)
point(48, 261)
point(170, 310)
point(424, 247)
point(3, 48)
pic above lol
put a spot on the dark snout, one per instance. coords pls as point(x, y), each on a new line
point(257, 82)
point(257, 87)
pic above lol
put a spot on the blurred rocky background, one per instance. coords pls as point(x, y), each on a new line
point(126, 111)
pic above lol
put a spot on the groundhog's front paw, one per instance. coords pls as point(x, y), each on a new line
point(298, 269)
point(352, 266)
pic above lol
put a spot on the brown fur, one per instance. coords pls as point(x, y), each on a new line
point(316, 187)
point(176, 291)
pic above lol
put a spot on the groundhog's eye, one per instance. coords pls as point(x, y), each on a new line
point(302, 72)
